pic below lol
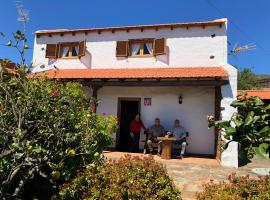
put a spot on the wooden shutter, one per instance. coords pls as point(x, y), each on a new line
point(159, 46)
point(82, 48)
point(122, 48)
point(51, 51)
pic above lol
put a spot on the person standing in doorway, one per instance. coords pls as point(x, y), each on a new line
point(135, 129)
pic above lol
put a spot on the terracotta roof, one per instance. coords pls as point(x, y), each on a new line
point(180, 72)
point(171, 25)
point(263, 94)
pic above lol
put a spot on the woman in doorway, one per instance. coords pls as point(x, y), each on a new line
point(135, 129)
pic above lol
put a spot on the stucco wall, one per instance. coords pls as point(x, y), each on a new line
point(229, 157)
point(185, 47)
point(197, 103)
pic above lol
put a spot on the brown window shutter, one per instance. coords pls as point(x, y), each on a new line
point(51, 51)
point(122, 48)
point(82, 48)
point(159, 46)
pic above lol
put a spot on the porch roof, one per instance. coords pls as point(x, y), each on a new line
point(263, 94)
point(136, 73)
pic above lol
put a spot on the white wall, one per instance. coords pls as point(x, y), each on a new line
point(229, 157)
point(197, 103)
point(185, 47)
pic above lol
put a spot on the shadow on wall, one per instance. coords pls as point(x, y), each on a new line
point(87, 59)
point(227, 91)
point(164, 58)
point(182, 32)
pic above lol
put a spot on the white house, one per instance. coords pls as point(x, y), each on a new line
point(170, 71)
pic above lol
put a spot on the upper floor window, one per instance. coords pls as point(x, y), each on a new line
point(69, 50)
point(141, 47)
point(66, 50)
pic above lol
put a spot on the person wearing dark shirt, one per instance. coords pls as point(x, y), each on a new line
point(135, 129)
point(157, 130)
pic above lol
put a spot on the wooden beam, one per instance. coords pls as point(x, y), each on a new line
point(156, 28)
point(85, 33)
point(217, 116)
point(104, 79)
point(122, 80)
point(95, 89)
point(197, 83)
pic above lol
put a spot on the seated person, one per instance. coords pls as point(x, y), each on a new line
point(180, 133)
point(157, 130)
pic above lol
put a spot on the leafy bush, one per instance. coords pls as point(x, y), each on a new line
point(48, 131)
point(128, 178)
point(237, 188)
point(249, 126)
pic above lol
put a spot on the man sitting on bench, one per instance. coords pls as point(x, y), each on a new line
point(180, 133)
point(157, 130)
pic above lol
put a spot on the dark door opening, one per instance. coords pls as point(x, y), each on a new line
point(127, 109)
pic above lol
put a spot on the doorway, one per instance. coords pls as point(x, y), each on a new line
point(127, 109)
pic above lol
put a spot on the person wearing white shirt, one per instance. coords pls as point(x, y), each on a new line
point(180, 133)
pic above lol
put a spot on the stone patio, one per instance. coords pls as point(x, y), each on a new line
point(191, 173)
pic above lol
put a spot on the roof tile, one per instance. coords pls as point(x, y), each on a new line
point(176, 72)
point(263, 94)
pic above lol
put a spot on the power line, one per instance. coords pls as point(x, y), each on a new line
point(238, 27)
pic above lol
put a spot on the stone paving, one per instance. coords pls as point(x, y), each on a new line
point(191, 173)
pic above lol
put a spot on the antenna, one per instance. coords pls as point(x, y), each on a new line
point(23, 14)
point(239, 49)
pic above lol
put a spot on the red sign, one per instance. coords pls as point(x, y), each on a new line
point(147, 101)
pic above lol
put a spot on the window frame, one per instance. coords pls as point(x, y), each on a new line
point(142, 43)
point(70, 45)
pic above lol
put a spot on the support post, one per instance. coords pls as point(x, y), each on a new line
point(95, 89)
point(217, 117)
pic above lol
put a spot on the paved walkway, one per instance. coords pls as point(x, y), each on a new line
point(191, 173)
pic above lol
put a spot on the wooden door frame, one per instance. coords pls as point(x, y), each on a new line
point(138, 99)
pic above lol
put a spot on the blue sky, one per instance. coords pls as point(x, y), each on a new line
point(248, 20)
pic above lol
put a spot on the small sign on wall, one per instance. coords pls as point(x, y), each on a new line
point(147, 101)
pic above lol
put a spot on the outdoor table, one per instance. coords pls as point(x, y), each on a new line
point(167, 146)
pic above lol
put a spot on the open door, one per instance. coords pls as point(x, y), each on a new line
point(127, 109)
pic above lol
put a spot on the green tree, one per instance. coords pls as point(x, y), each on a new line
point(249, 126)
point(247, 80)
point(48, 131)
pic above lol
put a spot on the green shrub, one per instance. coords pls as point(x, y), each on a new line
point(237, 188)
point(249, 126)
point(48, 131)
point(128, 178)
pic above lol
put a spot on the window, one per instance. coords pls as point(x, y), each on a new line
point(69, 51)
point(66, 50)
point(141, 48)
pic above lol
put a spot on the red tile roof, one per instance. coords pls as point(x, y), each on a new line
point(183, 72)
point(263, 94)
point(119, 28)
